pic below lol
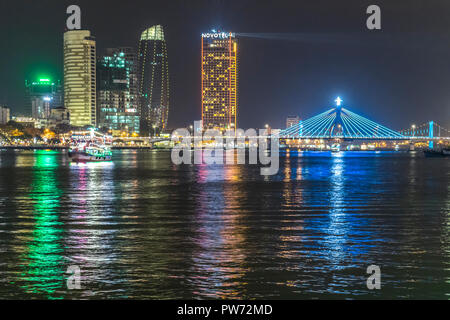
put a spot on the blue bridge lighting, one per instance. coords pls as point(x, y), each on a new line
point(340, 122)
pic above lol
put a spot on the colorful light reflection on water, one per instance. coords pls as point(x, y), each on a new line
point(141, 227)
point(42, 255)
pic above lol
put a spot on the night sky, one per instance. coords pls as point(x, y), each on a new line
point(301, 56)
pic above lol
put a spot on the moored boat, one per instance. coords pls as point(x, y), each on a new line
point(437, 153)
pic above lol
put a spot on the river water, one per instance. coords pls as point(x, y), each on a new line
point(142, 227)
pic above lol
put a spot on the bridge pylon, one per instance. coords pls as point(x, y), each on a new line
point(339, 123)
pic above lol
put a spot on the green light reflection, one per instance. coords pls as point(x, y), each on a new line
point(43, 269)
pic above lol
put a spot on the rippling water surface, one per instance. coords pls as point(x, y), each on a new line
point(141, 227)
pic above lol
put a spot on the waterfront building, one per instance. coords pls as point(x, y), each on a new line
point(27, 122)
point(80, 77)
point(131, 66)
point(117, 107)
point(42, 95)
point(5, 114)
point(58, 117)
point(219, 80)
point(292, 121)
point(153, 80)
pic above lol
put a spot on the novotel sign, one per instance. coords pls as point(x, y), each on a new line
point(218, 35)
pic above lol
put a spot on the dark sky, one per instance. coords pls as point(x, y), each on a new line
point(316, 50)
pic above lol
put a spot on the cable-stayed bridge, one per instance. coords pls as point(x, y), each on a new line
point(341, 123)
point(427, 130)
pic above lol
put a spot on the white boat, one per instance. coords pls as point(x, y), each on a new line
point(86, 146)
point(335, 147)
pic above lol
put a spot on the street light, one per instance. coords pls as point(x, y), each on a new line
point(268, 131)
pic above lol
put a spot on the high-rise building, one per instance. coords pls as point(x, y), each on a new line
point(42, 96)
point(4, 115)
point(292, 121)
point(80, 77)
point(116, 91)
point(131, 65)
point(153, 80)
point(219, 80)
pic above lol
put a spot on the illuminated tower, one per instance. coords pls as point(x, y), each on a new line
point(219, 80)
point(80, 77)
point(153, 80)
point(42, 96)
point(116, 90)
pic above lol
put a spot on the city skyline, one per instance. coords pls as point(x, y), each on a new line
point(360, 68)
point(230, 157)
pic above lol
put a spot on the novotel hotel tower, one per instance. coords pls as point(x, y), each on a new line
point(219, 80)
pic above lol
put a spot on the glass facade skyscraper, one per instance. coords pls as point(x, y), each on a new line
point(153, 80)
point(219, 80)
point(116, 90)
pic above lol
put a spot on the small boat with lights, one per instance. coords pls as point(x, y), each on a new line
point(87, 146)
point(336, 147)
